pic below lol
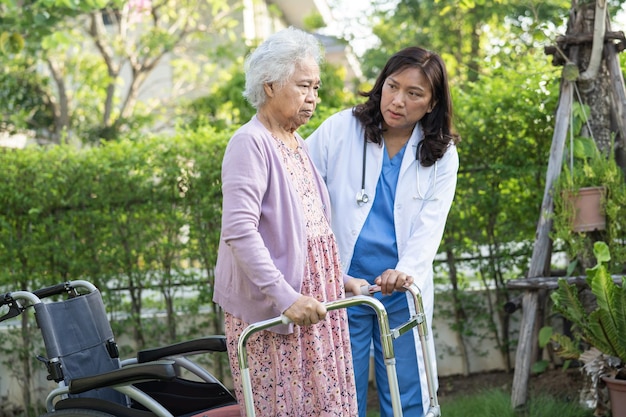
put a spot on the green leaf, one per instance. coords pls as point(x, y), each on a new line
point(584, 148)
point(566, 301)
point(545, 334)
point(565, 347)
point(540, 367)
point(601, 252)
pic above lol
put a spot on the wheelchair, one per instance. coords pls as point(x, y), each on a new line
point(92, 380)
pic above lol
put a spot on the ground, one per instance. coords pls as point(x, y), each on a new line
point(556, 383)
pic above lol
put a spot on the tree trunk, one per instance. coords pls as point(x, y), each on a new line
point(596, 91)
point(460, 317)
point(618, 97)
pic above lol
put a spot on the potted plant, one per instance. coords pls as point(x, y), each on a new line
point(589, 173)
point(599, 327)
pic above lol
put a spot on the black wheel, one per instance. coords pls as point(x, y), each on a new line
point(77, 412)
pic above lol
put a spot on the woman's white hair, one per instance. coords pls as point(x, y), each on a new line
point(275, 60)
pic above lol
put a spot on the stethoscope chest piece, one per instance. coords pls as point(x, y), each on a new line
point(362, 197)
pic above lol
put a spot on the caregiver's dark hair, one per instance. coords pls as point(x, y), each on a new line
point(436, 125)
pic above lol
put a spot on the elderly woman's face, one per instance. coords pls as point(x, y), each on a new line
point(295, 101)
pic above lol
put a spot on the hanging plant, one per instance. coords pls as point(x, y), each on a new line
point(589, 173)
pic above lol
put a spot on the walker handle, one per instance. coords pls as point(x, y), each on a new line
point(365, 290)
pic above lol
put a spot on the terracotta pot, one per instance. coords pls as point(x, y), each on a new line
point(617, 395)
point(587, 204)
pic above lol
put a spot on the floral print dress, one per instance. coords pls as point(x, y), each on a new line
point(308, 372)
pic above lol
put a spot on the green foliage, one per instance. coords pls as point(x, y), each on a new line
point(24, 24)
point(506, 133)
point(478, 332)
point(11, 43)
point(588, 167)
point(604, 327)
point(540, 367)
point(133, 215)
point(23, 28)
point(564, 346)
point(19, 339)
point(139, 218)
point(224, 106)
point(599, 324)
point(23, 107)
point(466, 34)
point(88, 95)
point(313, 22)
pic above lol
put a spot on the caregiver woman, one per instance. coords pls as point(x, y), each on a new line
point(390, 165)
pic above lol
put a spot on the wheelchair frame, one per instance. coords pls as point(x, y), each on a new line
point(161, 364)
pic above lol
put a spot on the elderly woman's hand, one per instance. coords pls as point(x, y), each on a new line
point(393, 280)
point(305, 311)
point(354, 285)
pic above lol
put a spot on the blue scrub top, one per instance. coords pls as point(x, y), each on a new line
point(376, 249)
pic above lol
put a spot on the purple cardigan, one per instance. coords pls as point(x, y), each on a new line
point(262, 250)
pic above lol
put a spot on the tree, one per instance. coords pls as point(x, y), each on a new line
point(465, 33)
point(23, 27)
point(99, 58)
point(492, 220)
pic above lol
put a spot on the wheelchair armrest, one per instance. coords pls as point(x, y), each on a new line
point(189, 347)
point(162, 370)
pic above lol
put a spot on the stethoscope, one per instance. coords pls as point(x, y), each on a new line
point(363, 198)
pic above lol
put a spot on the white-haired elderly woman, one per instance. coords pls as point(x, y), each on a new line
point(277, 252)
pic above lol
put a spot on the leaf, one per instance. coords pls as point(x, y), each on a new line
point(601, 252)
point(16, 42)
point(566, 301)
point(545, 334)
point(565, 347)
point(605, 327)
point(584, 148)
point(596, 333)
point(571, 267)
point(540, 367)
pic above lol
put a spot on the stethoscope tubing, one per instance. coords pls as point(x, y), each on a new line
point(362, 197)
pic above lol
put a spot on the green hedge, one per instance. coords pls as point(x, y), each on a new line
point(140, 219)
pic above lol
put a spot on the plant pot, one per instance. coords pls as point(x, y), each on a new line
point(617, 395)
point(588, 209)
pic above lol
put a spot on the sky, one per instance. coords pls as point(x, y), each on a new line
point(347, 14)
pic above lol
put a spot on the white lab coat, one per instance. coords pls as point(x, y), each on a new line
point(336, 148)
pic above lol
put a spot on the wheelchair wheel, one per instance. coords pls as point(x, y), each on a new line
point(77, 412)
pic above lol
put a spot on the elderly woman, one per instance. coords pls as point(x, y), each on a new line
point(277, 252)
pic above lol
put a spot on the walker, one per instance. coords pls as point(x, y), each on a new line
point(387, 335)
